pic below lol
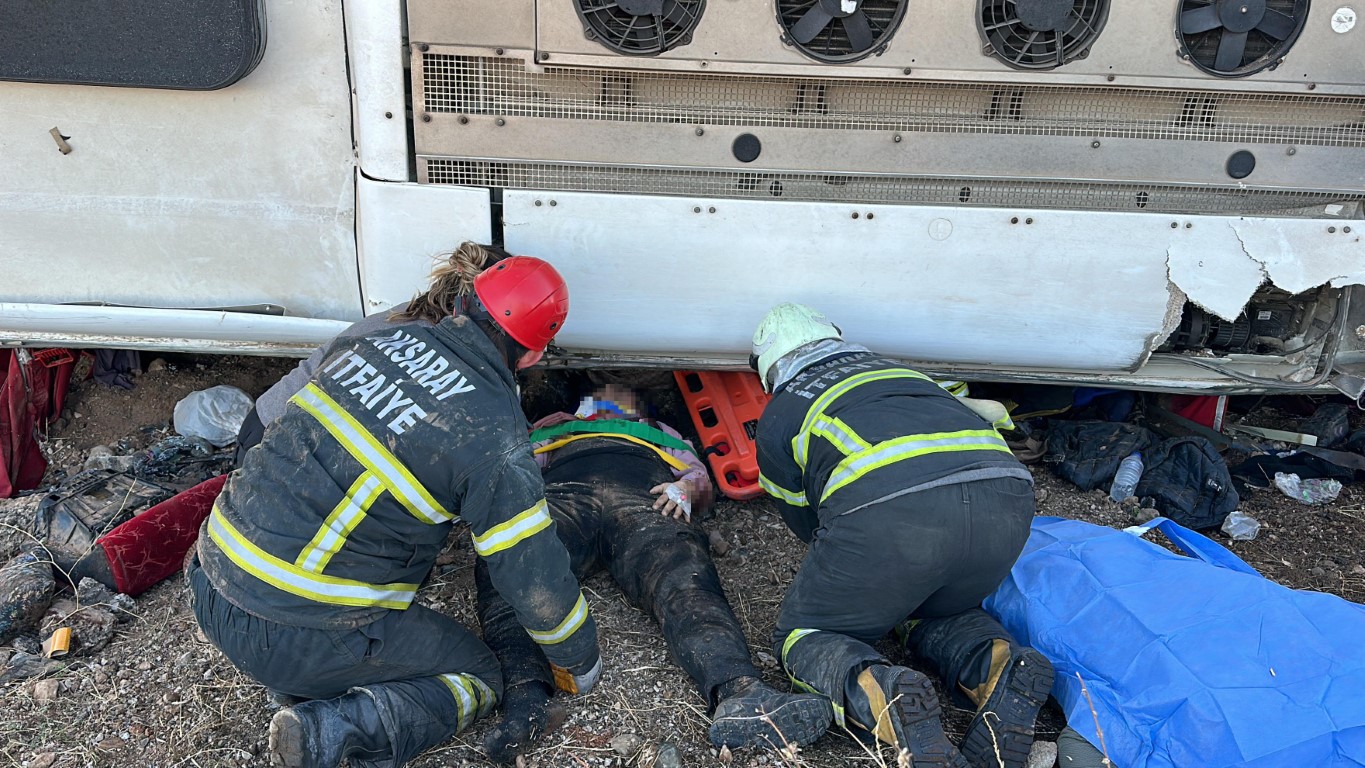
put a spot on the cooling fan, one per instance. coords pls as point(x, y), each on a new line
point(640, 27)
point(1236, 38)
point(839, 31)
point(1041, 34)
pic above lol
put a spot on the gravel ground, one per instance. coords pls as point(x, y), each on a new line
point(158, 695)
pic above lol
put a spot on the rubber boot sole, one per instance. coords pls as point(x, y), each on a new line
point(1001, 734)
point(921, 725)
point(797, 723)
point(287, 749)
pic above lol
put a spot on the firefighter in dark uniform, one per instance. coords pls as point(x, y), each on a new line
point(621, 489)
point(914, 508)
point(306, 569)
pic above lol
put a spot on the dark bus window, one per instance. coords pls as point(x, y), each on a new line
point(186, 44)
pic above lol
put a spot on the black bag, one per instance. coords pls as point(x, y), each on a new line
point(1189, 482)
point(1088, 453)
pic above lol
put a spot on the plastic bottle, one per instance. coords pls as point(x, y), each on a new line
point(1241, 527)
point(1126, 479)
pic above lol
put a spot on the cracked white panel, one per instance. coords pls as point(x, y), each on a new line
point(1071, 291)
point(1208, 262)
point(1220, 261)
point(1298, 258)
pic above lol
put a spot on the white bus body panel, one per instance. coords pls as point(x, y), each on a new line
point(187, 198)
point(403, 228)
point(1080, 291)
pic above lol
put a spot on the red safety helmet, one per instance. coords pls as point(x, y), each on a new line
point(526, 297)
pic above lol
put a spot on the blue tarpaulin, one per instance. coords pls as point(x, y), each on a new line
point(1192, 661)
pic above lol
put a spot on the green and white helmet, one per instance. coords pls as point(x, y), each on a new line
point(786, 327)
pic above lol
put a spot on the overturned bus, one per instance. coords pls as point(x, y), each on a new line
point(1161, 195)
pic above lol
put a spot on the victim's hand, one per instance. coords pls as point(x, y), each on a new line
point(675, 499)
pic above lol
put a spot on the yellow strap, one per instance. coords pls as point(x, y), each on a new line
point(673, 461)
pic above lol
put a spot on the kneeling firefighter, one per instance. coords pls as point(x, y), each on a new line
point(914, 508)
point(306, 569)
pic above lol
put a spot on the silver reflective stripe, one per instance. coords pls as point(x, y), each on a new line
point(368, 451)
point(293, 579)
point(892, 451)
point(778, 492)
point(339, 526)
point(840, 434)
point(464, 698)
point(571, 623)
point(514, 531)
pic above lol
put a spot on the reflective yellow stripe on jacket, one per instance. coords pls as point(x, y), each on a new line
point(370, 453)
point(338, 525)
point(295, 580)
point(514, 531)
point(794, 498)
point(908, 447)
point(577, 616)
point(801, 443)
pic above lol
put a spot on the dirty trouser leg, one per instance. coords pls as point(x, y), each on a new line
point(978, 660)
point(863, 574)
point(574, 509)
point(427, 675)
point(664, 567)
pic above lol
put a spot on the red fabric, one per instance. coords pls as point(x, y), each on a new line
point(21, 461)
point(1201, 409)
point(152, 546)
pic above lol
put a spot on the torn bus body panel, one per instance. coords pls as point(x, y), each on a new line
point(990, 290)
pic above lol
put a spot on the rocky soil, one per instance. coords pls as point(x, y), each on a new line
point(159, 696)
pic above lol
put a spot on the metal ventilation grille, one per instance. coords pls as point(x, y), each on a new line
point(502, 86)
point(869, 189)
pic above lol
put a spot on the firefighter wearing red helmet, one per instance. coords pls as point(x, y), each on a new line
point(364, 456)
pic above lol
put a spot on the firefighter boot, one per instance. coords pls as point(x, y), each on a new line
point(754, 714)
point(898, 706)
point(321, 733)
point(1008, 683)
point(1005, 683)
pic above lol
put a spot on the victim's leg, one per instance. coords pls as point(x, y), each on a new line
point(664, 567)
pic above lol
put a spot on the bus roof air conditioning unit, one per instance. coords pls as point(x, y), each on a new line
point(1236, 38)
point(1041, 34)
point(839, 31)
point(640, 27)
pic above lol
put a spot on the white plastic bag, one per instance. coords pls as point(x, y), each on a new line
point(1318, 490)
point(215, 414)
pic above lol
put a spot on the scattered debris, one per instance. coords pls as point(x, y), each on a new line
point(1241, 527)
point(719, 546)
point(1318, 490)
point(215, 414)
point(26, 589)
point(1043, 754)
point(626, 744)
point(668, 757)
point(45, 691)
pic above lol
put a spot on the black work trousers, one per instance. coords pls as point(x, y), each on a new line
point(598, 494)
point(932, 555)
point(429, 675)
